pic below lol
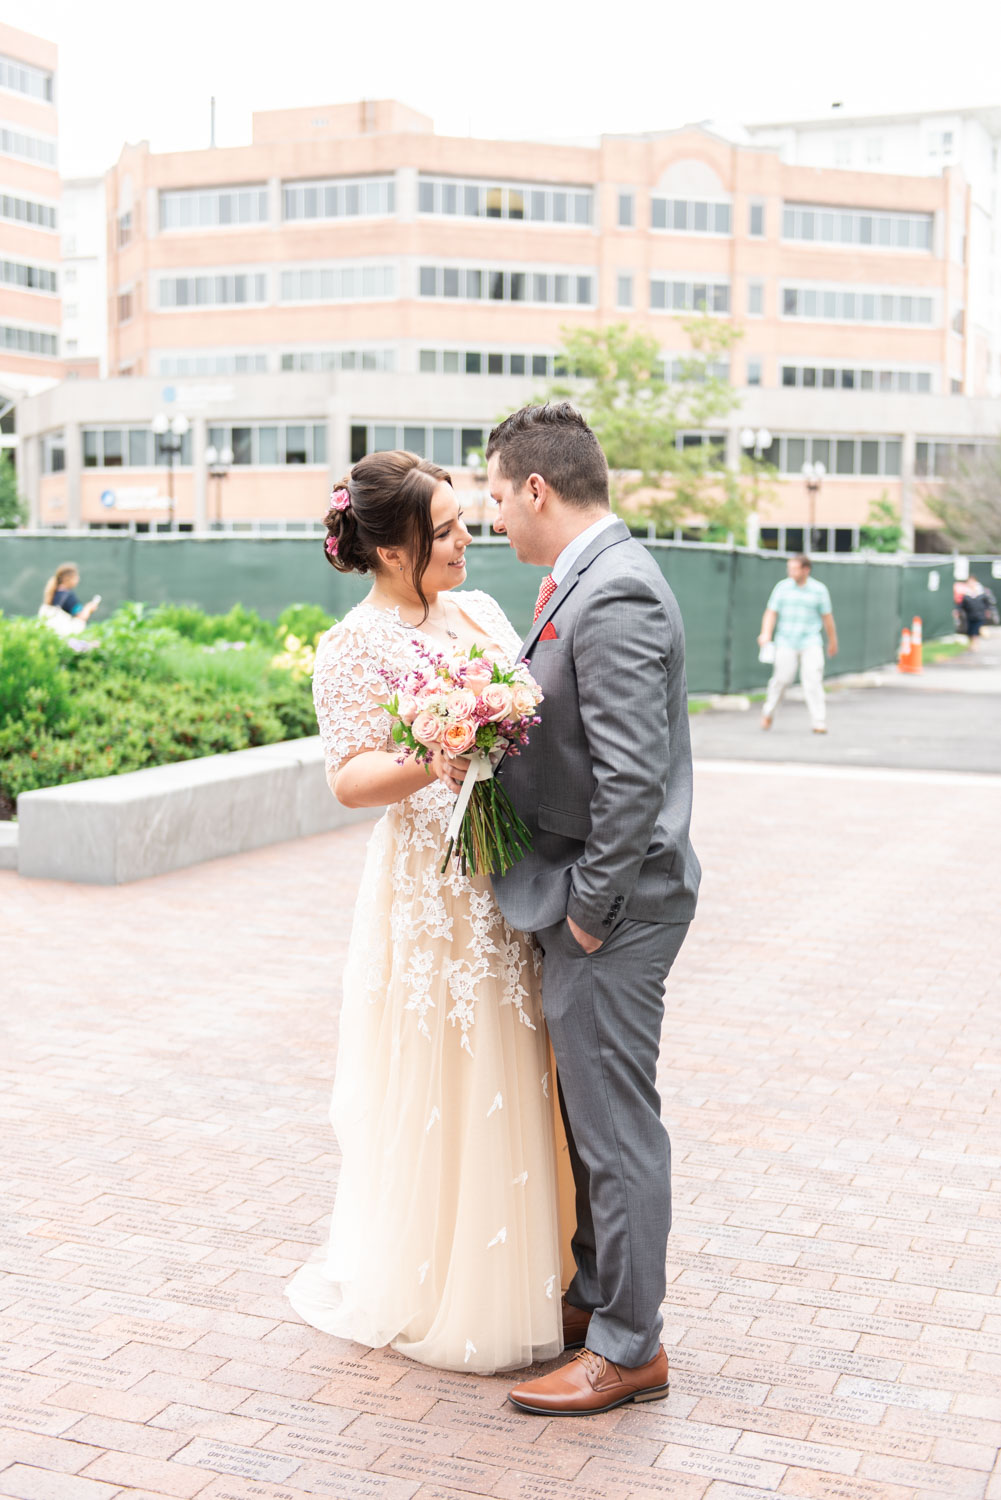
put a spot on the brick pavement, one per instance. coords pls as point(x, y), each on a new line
point(829, 1067)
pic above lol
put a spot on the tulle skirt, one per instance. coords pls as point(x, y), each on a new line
point(445, 1239)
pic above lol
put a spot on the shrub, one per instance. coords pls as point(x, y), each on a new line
point(146, 691)
point(239, 624)
point(33, 671)
point(305, 621)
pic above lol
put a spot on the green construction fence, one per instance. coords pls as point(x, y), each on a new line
point(722, 591)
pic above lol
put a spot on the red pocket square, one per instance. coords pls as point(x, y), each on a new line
point(548, 632)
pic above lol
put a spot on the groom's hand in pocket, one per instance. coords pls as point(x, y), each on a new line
point(583, 939)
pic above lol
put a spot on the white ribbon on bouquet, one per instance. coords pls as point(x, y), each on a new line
point(480, 769)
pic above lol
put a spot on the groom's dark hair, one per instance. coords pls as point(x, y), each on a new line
point(556, 442)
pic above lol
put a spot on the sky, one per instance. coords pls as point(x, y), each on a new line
point(129, 71)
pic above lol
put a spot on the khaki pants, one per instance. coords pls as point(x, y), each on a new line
point(810, 664)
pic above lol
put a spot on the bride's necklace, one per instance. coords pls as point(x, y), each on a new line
point(452, 634)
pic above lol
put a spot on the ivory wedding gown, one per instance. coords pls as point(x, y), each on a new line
point(444, 1239)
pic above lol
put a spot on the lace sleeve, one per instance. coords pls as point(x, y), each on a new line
point(347, 691)
point(483, 608)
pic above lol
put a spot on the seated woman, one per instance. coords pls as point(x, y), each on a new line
point(60, 601)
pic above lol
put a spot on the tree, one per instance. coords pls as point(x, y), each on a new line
point(638, 416)
point(13, 511)
point(968, 502)
point(882, 531)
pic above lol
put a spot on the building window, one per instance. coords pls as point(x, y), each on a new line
point(443, 445)
point(271, 444)
point(31, 278)
point(753, 371)
point(28, 341)
point(338, 283)
point(482, 199)
point(224, 289)
point(22, 78)
point(680, 368)
point(624, 290)
point(128, 447)
point(755, 299)
point(339, 198)
point(857, 226)
point(213, 208)
point(828, 303)
point(687, 216)
point(689, 296)
point(124, 229)
point(484, 362)
point(27, 211)
point(756, 220)
point(851, 378)
point(15, 142)
point(338, 359)
point(124, 306)
point(466, 284)
point(212, 362)
point(844, 457)
point(627, 210)
point(53, 453)
point(938, 458)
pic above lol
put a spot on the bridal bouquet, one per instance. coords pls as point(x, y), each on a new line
point(479, 706)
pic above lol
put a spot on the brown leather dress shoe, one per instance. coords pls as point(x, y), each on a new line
point(575, 1325)
point(591, 1383)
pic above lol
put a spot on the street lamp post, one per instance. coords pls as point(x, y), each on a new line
point(218, 461)
point(171, 432)
point(813, 474)
point(755, 442)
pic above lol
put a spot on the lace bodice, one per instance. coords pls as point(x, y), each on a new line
point(348, 688)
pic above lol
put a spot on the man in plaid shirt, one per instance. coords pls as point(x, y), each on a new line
point(797, 617)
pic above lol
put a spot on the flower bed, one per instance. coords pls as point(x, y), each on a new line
point(149, 687)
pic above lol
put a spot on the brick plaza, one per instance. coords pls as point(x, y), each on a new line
point(829, 1070)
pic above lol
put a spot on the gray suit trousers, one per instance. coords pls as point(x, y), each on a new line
point(605, 1012)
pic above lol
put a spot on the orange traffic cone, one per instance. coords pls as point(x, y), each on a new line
point(904, 654)
point(916, 644)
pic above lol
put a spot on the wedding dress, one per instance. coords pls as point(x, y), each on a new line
point(444, 1239)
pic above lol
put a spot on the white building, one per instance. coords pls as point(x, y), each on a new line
point(84, 277)
point(924, 145)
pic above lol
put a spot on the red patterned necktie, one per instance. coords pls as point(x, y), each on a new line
point(547, 589)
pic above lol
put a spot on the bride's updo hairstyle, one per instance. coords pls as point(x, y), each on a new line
point(385, 501)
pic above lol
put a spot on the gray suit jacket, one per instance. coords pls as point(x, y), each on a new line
point(606, 784)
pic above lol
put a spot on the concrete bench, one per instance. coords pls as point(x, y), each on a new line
point(121, 828)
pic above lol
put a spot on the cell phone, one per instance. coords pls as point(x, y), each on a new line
point(96, 600)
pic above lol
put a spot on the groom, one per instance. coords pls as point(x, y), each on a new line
point(610, 886)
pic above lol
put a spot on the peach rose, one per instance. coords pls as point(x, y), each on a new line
point(479, 676)
point(407, 708)
point(496, 698)
point(427, 728)
point(459, 736)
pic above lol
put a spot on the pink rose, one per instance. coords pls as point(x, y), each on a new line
point(460, 704)
point(427, 728)
point(459, 736)
point(497, 700)
point(407, 708)
point(523, 701)
point(479, 676)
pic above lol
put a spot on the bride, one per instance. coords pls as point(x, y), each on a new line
point(444, 1239)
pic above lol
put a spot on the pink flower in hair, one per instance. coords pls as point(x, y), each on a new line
point(331, 546)
point(340, 499)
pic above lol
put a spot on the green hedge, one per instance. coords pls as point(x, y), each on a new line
point(147, 688)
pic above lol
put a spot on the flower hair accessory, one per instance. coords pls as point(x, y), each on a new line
point(340, 499)
point(330, 546)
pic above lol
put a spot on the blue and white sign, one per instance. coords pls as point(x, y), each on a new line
point(108, 499)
